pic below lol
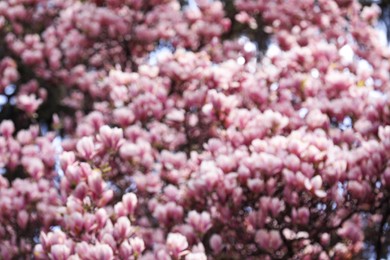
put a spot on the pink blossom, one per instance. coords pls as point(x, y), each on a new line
point(356, 189)
point(137, 245)
point(60, 252)
point(102, 251)
point(130, 202)
point(111, 138)
point(122, 228)
point(34, 166)
point(176, 244)
point(7, 128)
point(128, 150)
point(176, 116)
point(125, 250)
point(196, 256)
point(123, 116)
point(351, 231)
point(28, 103)
point(106, 197)
point(201, 222)
point(86, 148)
point(269, 240)
point(316, 119)
point(301, 216)
point(370, 13)
point(216, 243)
point(95, 183)
point(168, 212)
point(23, 219)
point(67, 159)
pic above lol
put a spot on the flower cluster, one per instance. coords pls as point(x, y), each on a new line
point(148, 130)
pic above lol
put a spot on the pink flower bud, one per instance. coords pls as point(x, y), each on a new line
point(73, 174)
point(66, 159)
point(216, 243)
point(138, 245)
point(125, 250)
point(101, 217)
point(95, 182)
point(122, 228)
point(129, 201)
point(325, 239)
point(75, 222)
point(89, 222)
point(276, 206)
point(81, 190)
point(120, 210)
point(22, 219)
point(106, 197)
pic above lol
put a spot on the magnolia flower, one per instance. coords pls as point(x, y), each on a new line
point(269, 240)
point(60, 252)
point(137, 245)
point(122, 228)
point(201, 222)
point(216, 243)
point(86, 148)
point(7, 128)
point(28, 103)
point(176, 244)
